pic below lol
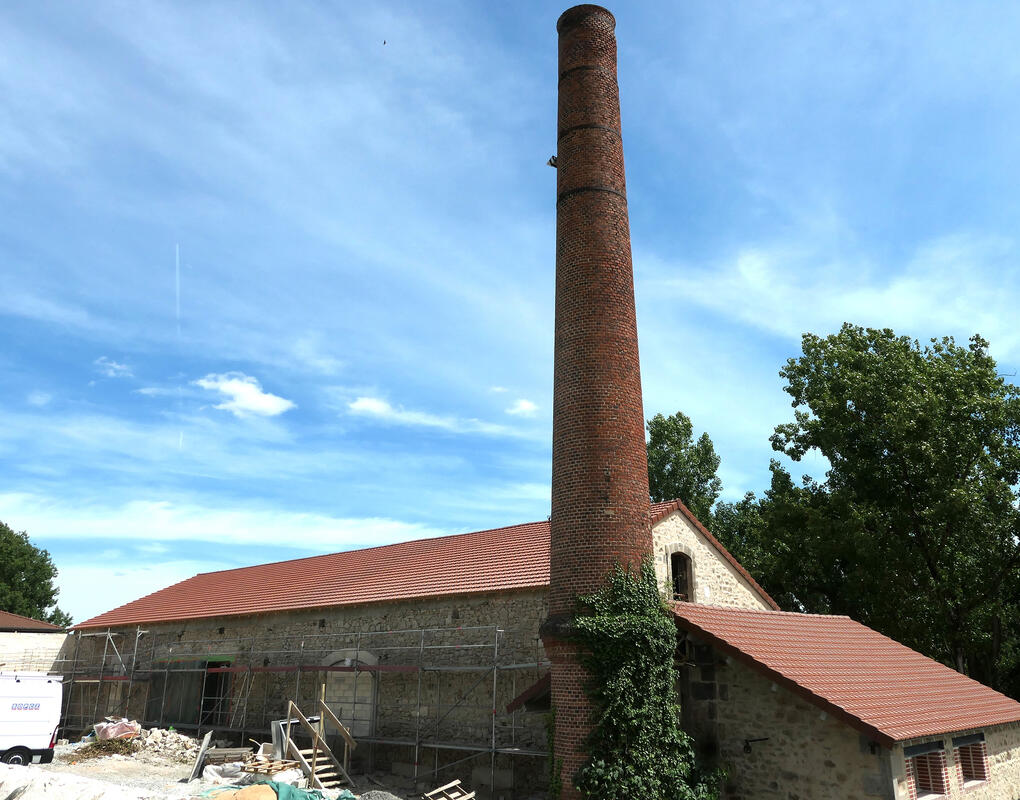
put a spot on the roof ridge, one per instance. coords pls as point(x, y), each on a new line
point(772, 611)
point(373, 547)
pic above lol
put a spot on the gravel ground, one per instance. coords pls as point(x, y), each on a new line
point(150, 776)
point(143, 776)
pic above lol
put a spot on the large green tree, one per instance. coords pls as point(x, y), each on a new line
point(680, 467)
point(27, 579)
point(914, 529)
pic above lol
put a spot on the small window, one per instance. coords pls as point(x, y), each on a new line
point(929, 775)
point(680, 566)
point(971, 761)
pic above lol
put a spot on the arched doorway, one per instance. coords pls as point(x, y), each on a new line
point(350, 694)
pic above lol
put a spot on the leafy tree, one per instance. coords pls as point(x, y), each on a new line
point(26, 579)
point(914, 530)
point(680, 467)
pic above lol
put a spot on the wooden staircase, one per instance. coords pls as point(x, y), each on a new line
point(321, 766)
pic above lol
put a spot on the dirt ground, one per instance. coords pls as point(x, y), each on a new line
point(116, 777)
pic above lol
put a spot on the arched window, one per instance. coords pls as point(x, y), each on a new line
point(681, 577)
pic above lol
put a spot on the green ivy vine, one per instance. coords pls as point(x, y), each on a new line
point(637, 747)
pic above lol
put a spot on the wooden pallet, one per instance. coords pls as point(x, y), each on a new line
point(452, 791)
point(270, 767)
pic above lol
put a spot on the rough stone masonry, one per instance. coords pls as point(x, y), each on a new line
point(600, 506)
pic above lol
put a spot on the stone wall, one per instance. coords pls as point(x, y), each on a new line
point(1002, 746)
point(806, 754)
point(716, 582)
point(428, 669)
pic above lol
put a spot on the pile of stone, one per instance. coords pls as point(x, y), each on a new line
point(167, 745)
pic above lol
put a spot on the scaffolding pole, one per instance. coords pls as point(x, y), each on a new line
point(455, 706)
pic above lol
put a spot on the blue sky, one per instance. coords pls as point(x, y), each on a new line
point(278, 279)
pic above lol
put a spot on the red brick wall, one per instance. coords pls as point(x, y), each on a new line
point(600, 471)
point(600, 506)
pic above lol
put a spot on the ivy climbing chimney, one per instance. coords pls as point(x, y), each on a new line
point(600, 505)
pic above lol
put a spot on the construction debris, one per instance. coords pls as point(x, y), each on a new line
point(114, 728)
point(105, 747)
point(169, 745)
point(451, 791)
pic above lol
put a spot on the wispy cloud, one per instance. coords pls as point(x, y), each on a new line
point(310, 353)
point(522, 408)
point(178, 520)
point(960, 284)
point(38, 399)
point(245, 395)
point(112, 369)
point(377, 408)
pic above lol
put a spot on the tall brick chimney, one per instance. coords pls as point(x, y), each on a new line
point(600, 505)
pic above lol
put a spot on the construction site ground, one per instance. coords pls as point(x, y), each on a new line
point(141, 776)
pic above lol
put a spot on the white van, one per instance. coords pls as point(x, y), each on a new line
point(29, 716)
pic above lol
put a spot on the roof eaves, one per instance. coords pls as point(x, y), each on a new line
point(778, 678)
point(676, 506)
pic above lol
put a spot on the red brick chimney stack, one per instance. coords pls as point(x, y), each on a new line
point(600, 505)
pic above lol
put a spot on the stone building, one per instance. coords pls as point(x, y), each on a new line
point(418, 643)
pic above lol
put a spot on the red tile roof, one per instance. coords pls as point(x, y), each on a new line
point(496, 560)
point(16, 622)
point(875, 684)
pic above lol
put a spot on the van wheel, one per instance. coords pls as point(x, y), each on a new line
point(17, 755)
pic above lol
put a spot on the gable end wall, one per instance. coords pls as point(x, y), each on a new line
point(716, 582)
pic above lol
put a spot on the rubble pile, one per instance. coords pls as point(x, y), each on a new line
point(168, 745)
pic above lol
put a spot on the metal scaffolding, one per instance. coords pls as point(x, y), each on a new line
point(237, 686)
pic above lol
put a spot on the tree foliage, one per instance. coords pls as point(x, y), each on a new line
point(637, 747)
point(680, 467)
point(914, 529)
point(26, 579)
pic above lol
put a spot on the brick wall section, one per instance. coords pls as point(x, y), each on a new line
point(600, 504)
point(716, 582)
point(1002, 750)
point(808, 755)
point(600, 471)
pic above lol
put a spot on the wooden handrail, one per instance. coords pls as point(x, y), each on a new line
point(328, 714)
point(318, 743)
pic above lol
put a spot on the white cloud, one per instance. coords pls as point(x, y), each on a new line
point(38, 398)
point(112, 369)
point(522, 408)
point(382, 410)
point(245, 394)
point(147, 522)
point(957, 285)
point(498, 389)
point(148, 525)
point(309, 352)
